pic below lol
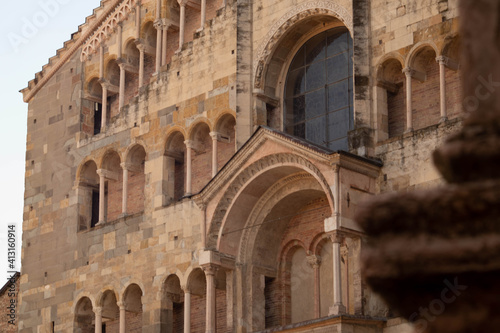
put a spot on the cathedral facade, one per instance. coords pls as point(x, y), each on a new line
point(191, 168)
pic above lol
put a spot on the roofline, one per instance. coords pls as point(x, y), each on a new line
point(30, 92)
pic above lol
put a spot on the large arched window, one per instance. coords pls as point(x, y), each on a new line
point(319, 90)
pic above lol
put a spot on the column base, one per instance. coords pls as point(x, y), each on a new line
point(100, 223)
point(409, 130)
point(443, 120)
point(337, 309)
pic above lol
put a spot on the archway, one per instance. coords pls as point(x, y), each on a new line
point(84, 316)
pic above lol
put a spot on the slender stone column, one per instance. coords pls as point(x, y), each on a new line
point(442, 86)
point(138, 20)
point(215, 153)
point(338, 307)
point(121, 305)
point(158, 26)
point(141, 65)
point(125, 188)
point(102, 180)
point(203, 13)
point(98, 320)
point(164, 45)
point(101, 62)
point(104, 107)
point(409, 117)
point(315, 262)
point(122, 86)
point(210, 321)
point(189, 147)
point(120, 38)
point(187, 310)
point(182, 4)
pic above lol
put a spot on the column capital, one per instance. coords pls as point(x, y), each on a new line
point(182, 3)
point(214, 135)
point(98, 311)
point(442, 60)
point(408, 71)
point(107, 174)
point(121, 305)
point(185, 288)
point(336, 237)
point(158, 24)
point(210, 269)
point(189, 144)
point(314, 261)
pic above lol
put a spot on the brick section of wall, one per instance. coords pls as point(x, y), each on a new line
point(133, 322)
point(178, 318)
point(454, 96)
point(114, 198)
point(131, 87)
point(198, 315)
point(202, 164)
point(136, 183)
point(273, 302)
point(7, 297)
point(425, 98)
point(396, 110)
point(221, 308)
point(87, 117)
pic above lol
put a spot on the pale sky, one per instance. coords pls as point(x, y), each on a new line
point(31, 32)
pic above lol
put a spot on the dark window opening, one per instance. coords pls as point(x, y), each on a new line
point(179, 180)
point(95, 208)
point(97, 117)
point(319, 90)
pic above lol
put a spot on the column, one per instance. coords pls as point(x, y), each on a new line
point(122, 86)
point(338, 307)
point(214, 136)
point(98, 320)
point(158, 26)
point(121, 305)
point(120, 35)
point(315, 262)
point(409, 118)
point(203, 13)
point(125, 188)
point(138, 20)
point(141, 65)
point(442, 86)
point(104, 107)
point(189, 147)
point(102, 180)
point(101, 61)
point(210, 321)
point(164, 45)
point(187, 310)
point(182, 4)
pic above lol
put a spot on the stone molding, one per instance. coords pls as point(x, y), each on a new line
point(120, 14)
point(277, 31)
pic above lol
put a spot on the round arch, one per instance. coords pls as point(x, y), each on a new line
point(271, 167)
point(287, 24)
point(195, 127)
point(416, 51)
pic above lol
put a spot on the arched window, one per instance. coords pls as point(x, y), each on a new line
point(319, 90)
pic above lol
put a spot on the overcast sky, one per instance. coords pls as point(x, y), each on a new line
point(31, 32)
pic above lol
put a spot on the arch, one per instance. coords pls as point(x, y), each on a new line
point(281, 164)
point(196, 124)
point(84, 315)
point(300, 14)
point(94, 88)
point(110, 311)
point(451, 51)
point(132, 301)
point(201, 154)
point(197, 286)
point(417, 49)
point(174, 166)
point(425, 85)
point(225, 129)
point(87, 182)
point(391, 97)
point(135, 159)
point(111, 163)
point(172, 316)
point(112, 77)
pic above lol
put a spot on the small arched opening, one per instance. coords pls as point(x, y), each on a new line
point(88, 196)
point(136, 182)
point(84, 316)
point(174, 170)
point(132, 300)
point(113, 186)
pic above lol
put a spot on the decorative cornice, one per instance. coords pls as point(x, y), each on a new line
point(119, 15)
point(30, 91)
